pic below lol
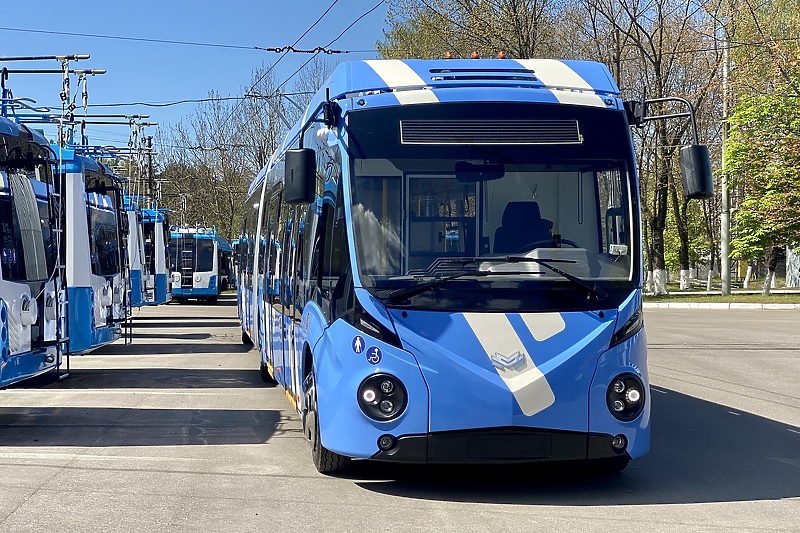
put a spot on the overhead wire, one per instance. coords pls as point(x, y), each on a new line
point(330, 43)
point(276, 49)
point(272, 67)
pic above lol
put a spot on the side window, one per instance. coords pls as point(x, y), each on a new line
point(11, 242)
point(287, 236)
point(24, 253)
point(310, 262)
point(264, 235)
point(337, 278)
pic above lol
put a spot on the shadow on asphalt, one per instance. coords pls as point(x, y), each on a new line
point(142, 348)
point(149, 378)
point(184, 322)
point(223, 301)
point(91, 426)
point(173, 336)
point(700, 452)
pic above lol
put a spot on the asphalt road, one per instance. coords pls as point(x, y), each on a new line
point(176, 432)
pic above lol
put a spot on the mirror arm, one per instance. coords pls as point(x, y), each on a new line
point(689, 113)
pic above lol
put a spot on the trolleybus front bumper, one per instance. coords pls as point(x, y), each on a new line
point(495, 445)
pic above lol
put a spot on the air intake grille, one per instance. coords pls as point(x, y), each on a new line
point(477, 74)
point(490, 132)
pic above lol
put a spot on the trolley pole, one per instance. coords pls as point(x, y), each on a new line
point(150, 165)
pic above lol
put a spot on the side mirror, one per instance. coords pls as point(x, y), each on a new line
point(301, 176)
point(635, 111)
point(696, 170)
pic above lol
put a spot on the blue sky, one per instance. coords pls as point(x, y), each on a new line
point(154, 72)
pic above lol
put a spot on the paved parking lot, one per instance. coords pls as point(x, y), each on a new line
point(176, 432)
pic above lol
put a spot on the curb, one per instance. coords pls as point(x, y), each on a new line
point(716, 305)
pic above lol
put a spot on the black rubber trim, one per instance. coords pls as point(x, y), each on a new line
point(499, 445)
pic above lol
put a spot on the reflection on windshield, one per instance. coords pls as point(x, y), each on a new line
point(406, 222)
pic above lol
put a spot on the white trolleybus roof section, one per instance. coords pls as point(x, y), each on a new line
point(417, 81)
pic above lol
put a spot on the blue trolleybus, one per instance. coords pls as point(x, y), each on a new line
point(202, 262)
point(156, 233)
point(148, 254)
point(30, 281)
point(95, 223)
point(443, 264)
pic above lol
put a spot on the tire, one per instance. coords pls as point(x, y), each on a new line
point(265, 375)
point(325, 461)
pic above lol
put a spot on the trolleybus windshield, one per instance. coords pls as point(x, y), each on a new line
point(425, 198)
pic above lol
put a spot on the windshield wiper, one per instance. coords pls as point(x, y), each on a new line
point(594, 291)
point(401, 294)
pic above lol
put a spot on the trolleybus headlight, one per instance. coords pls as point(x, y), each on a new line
point(369, 396)
point(632, 396)
point(625, 397)
point(382, 397)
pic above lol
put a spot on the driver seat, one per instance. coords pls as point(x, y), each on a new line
point(522, 224)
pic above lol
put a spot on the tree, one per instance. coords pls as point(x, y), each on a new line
point(430, 28)
point(761, 155)
point(211, 157)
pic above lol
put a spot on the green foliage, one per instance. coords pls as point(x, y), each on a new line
point(762, 158)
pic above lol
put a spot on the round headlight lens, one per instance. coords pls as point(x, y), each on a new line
point(632, 396)
point(369, 395)
point(382, 397)
point(625, 397)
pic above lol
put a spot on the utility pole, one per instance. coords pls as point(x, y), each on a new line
point(725, 216)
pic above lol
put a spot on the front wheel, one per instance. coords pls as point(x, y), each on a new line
point(325, 461)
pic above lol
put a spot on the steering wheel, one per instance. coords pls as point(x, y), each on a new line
point(545, 242)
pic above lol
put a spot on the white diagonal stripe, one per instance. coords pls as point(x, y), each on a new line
point(528, 385)
point(555, 73)
point(422, 96)
point(543, 325)
point(396, 74)
point(578, 98)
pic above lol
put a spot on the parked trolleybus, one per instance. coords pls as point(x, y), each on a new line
point(137, 274)
point(156, 235)
point(202, 263)
point(94, 222)
point(443, 264)
point(30, 282)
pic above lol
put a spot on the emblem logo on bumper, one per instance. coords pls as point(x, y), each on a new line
point(514, 361)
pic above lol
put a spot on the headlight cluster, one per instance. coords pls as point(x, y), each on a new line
point(625, 397)
point(382, 397)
